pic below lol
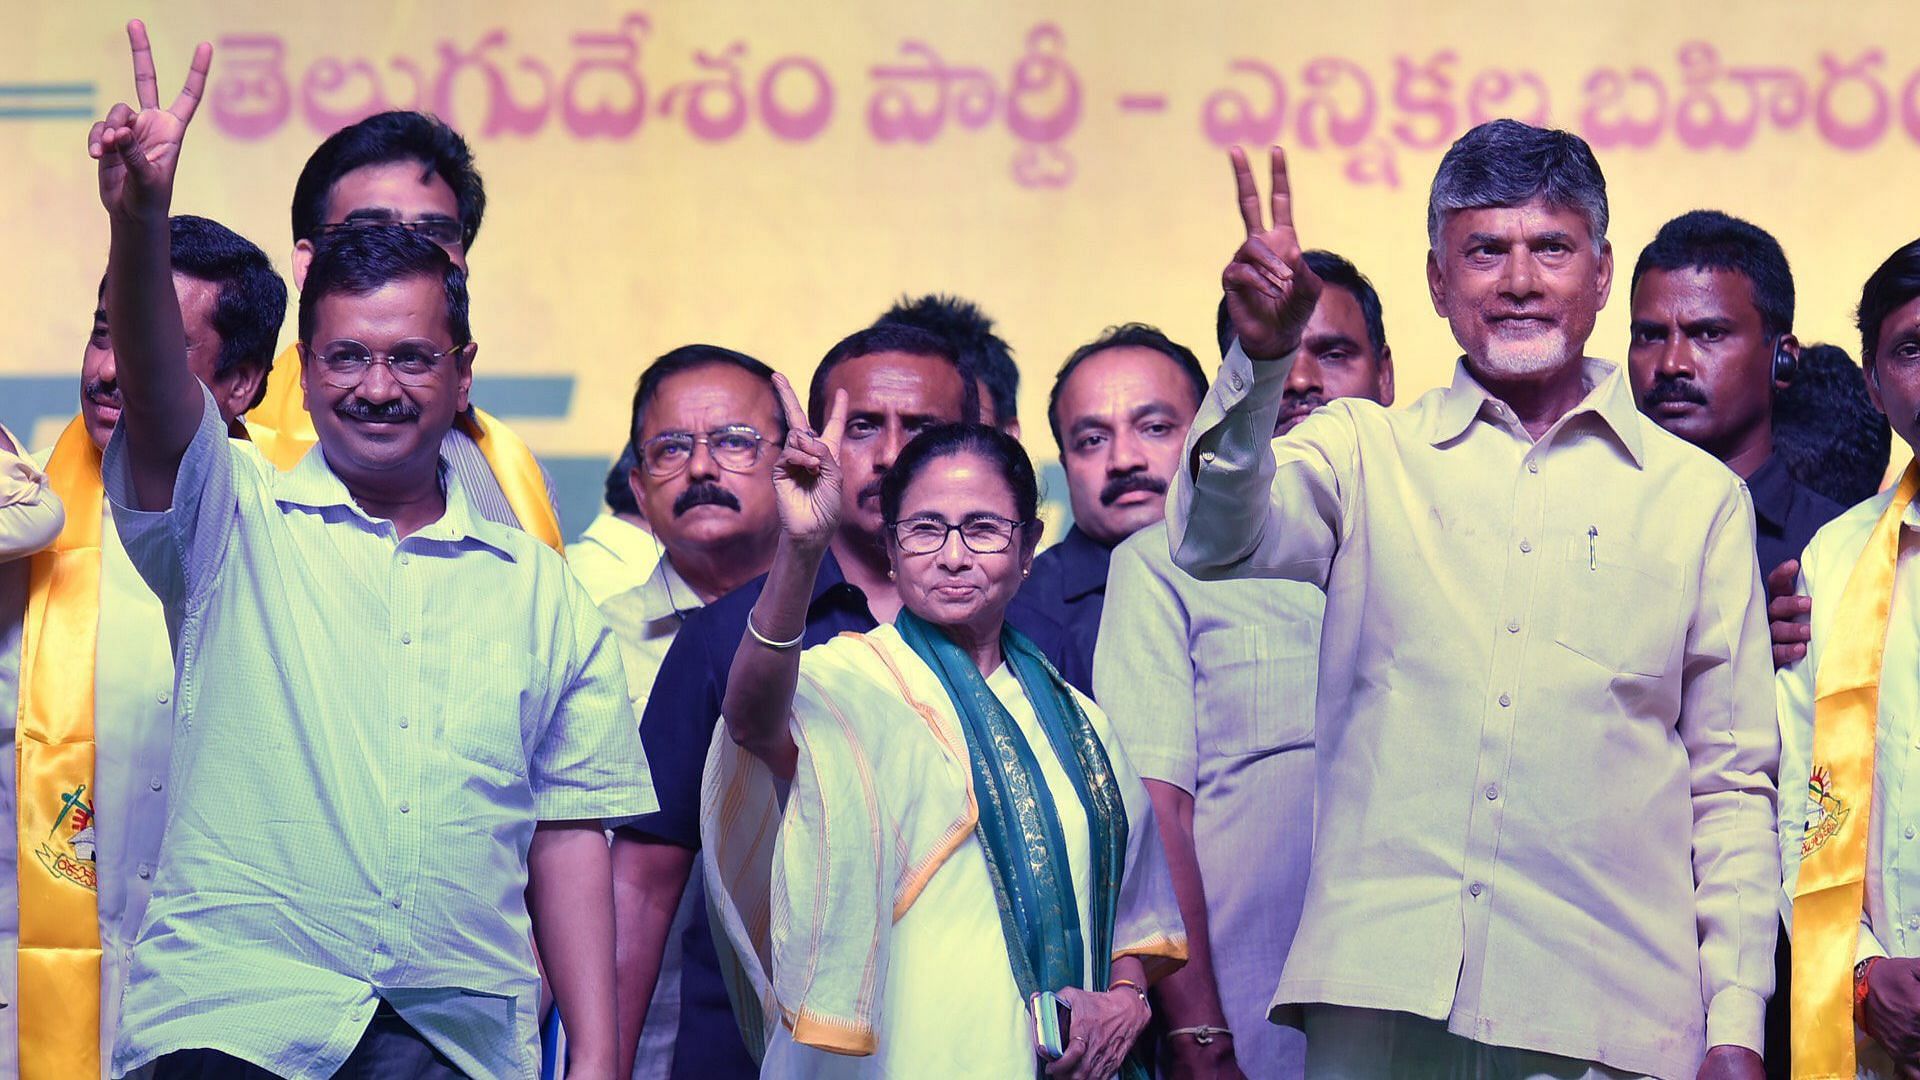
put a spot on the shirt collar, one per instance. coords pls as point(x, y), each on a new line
point(661, 594)
point(626, 541)
point(1608, 398)
point(1084, 562)
point(312, 483)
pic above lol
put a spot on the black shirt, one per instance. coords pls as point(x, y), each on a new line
point(1786, 513)
point(676, 730)
point(1059, 606)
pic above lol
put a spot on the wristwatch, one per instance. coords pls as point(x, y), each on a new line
point(1860, 980)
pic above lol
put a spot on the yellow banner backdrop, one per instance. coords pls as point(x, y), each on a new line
point(769, 176)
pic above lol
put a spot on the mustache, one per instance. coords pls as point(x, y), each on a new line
point(706, 494)
point(1302, 402)
point(1128, 483)
point(871, 491)
point(102, 392)
point(399, 410)
point(1666, 390)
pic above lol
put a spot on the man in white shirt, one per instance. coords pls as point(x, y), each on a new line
point(1210, 684)
point(231, 307)
point(706, 429)
point(1544, 735)
point(616, 551)
point(1886, 959)
point(408, 722)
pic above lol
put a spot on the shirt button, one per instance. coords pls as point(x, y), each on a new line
point(1909, 832)
point(1493, 792)
point(1238, 382)
point(1207, 457)
point(1505, 701)
point(154, 783)
point(165, 697)
point(403, 723)
point(406, 639)
point(1914, 923)
point(405, 560)
point(1526, 546)
point(145, 871)
point(1474, 889)
point(396, 901)
point(1533, 466)
point(406, 808)
point(1513, 626)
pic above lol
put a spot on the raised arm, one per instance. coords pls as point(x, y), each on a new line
point(1234, 510)
point(806, 482)
point(139, 152)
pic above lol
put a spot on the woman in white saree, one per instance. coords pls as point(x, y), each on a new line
point(907, 833)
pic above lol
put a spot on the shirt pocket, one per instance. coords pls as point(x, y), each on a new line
point(1619, 606)
point(1254, 687)
point(492, 689)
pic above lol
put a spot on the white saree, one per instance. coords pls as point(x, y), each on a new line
point(864, 934)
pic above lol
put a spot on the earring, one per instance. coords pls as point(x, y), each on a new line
point(889, 575)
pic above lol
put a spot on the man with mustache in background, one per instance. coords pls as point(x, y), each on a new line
point(706, 430)
point(1119, 412)
point(899, 381)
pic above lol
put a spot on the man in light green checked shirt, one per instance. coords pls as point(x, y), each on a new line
point(399, 728)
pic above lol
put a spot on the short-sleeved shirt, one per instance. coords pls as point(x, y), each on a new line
point(367, 729)
point(677, 728)
point(1210, 685)
point(1059, 605)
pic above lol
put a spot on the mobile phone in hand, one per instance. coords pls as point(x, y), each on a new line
point(1052, 1024)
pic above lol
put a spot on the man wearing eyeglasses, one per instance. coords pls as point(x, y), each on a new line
point(706, 430)
point(899, 381)
point(400, 728)
point(411, 170)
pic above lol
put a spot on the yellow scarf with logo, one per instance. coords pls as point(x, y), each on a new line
point(283, 432)
point(59, 992)
point(1831, 891)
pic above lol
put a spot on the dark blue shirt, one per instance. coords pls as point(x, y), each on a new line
point(676, 729)
point(1786, 513)
point(1059, 605)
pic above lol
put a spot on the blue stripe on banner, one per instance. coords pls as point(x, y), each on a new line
point(524, 397)
point(46, 114)
point(40, 89)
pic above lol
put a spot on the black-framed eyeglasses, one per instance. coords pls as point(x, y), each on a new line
point(984, 534)
point(735, 448)
point(344, 363)
point(445, 232)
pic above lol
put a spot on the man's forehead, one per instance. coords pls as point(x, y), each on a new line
point(1534, 216)
point(903, 382)
point(1338, 313)
point(1126, 374)
point(407, 188)
point(1694, 292)
point(713, 393)
point(411, 307)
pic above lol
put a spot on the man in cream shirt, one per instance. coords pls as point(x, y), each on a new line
point(1545, 839)
point(1210, 685)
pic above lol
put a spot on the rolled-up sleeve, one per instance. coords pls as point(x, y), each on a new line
point(30, 513)
point(1143, 669)
point(1250, 505)
point(1732, 738)
point(589, 763)
point(180, 551)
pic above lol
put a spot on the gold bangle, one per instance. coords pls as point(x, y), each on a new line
point(1134, 986)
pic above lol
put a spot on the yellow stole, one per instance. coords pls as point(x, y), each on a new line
point(283, 432)
point(59, 992)
point(1831, 891)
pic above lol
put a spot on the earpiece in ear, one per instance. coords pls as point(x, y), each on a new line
point(1784, 363)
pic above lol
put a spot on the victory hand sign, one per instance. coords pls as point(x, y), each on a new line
point(1271, 292)
point(807, 478)
point(139, 151)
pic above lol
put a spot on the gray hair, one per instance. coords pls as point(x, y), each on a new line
point(1508, 163)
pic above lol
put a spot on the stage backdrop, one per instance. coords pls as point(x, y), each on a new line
point(770, 176)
